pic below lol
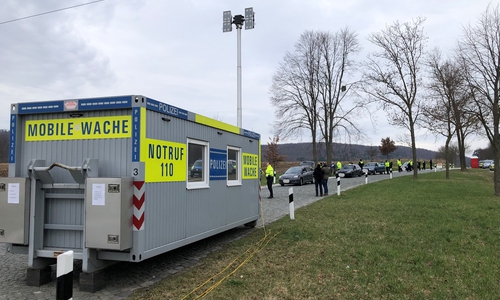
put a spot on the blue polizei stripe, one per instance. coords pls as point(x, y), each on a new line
point(218, 164)
point(40, 107)
point(166, 109)
point(12, 139)
point(218, 151)
point(64, 289)
point(218, 177)
point(136, 134)
point(105, 103)
point(251, 134)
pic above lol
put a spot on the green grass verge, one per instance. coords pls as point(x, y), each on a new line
point(430, 238)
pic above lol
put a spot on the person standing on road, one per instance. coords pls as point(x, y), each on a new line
point(361, 164)
point(270, 178)
point(400, 169)
point(387, 166)
point(318, 179)
point(423, 165)
point(339, 165)
point(430, 164)
point(326, 175)
point(332, 169)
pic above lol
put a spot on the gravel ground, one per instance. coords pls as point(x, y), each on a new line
point(123, 278)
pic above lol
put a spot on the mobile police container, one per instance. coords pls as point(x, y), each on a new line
point(121, 178)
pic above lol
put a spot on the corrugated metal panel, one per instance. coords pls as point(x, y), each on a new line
point(113, 154)
point(114, 157)
point(61, 212)
point(174, 213)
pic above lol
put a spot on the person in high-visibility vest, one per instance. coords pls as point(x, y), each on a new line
point(400, 169)
point(339, 165)
point(387, 166)
point(270, 178)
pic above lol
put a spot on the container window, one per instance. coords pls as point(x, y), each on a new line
point(233, 166)
point(198, 171)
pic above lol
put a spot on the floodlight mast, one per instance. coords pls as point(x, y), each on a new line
point(238, 20)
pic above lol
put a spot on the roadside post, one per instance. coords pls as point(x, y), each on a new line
point(338, 184)
point(290, 201)
point(65, 276)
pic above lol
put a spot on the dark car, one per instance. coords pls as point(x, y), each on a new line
point(308, 163)
point(350, 171)
point(196, 169)
point(297, 175)
point(374, 167)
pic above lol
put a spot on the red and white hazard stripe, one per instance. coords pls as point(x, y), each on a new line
point(139, 198)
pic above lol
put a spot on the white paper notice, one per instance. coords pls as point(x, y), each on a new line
point(98, 194)
point(13, 196)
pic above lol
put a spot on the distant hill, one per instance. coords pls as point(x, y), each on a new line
point(347, 152)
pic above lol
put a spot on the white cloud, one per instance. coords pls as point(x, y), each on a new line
point(176, 52)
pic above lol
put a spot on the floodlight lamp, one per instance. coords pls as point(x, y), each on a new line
point(227, 21)
point(238, 20)
point(249, 18)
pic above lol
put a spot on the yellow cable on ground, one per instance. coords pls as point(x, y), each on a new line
point(257, 248)
point(231, 263)
point(236, 269)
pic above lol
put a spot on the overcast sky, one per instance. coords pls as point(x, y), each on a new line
point(176, 52)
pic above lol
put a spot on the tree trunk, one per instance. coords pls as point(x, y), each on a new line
point(446, 155)
point(413, 148)
point(461, 149)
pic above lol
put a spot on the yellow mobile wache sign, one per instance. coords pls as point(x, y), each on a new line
point(79, 129)
point(250, 166)
point(165, 161)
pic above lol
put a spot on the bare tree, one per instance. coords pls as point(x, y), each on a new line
point(336, 51)
point(273, 154)
point(448, 112)
point(4, 145)
point(394, 74)
point(295, 91)
point(371, 152)
point(309, 88)
point(480, 53)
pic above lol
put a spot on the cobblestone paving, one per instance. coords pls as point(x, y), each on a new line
point(123, 278)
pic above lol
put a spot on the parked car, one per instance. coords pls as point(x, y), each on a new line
point(308, 163)
point(374, 168)
point(405, 166)
point(297, 175)
point(350, 171)
point(487, 163)
point(231, 166)
point(196, 169)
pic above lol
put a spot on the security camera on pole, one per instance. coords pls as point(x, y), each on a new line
point(227, 25)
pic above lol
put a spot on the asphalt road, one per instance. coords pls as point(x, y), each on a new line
point(123, 278)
